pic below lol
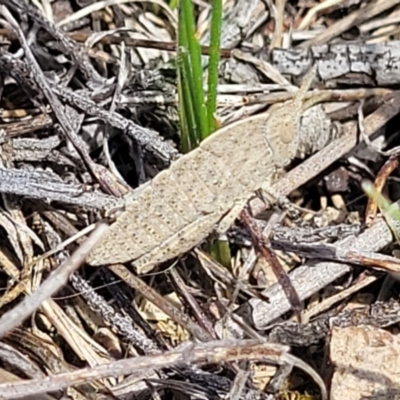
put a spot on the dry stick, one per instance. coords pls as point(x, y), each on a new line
point(312, 13)
point(339, 95)
point(333, 252)
point(148, 139)
point(328, 303)
point(309, 279)
point(119, 322)
point(239, 384)
point(42, 185)
point(193, 304)
point(52, 285)
point(262, 246)
point(279, 17)
point(221, 275)
point(41, 121)
point(111, 38)
point(212, 353)
point(100, 5)
point(355, 18)
point(266, 69)
point(82, 36)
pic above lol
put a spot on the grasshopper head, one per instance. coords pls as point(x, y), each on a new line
point(282, 137)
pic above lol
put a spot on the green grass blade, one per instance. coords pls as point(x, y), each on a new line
point(373, 194)
point(215, 39)
point(187, 17)
point(184, 128)
point(189, 124)
point(173, 4)
point(187, 102)
point(221, 252)
point(183, 48)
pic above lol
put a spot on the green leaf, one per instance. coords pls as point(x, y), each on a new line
point(391, 211)
point(186, 18)
point(190, 135)
point(215, 39)
point(221, 252)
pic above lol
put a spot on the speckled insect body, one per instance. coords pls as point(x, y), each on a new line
point(204, 190)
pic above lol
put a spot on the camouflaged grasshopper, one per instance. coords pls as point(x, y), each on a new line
point(206, 189)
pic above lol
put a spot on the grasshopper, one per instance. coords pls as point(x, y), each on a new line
point(206, 189)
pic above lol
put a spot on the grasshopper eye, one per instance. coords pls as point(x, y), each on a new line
point(287, 130)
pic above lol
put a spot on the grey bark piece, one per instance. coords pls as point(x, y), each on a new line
point(378, 61)
point(310, 278)
point(29, 149)
point(45, 185)
point(382, 314)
